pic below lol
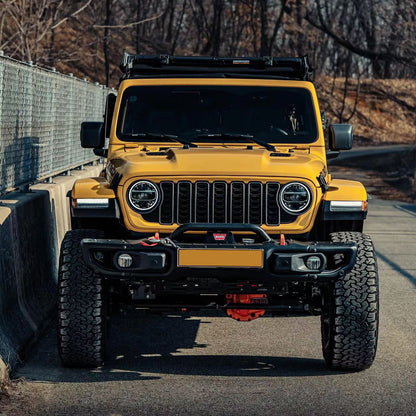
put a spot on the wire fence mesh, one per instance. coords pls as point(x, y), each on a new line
point(40, 116)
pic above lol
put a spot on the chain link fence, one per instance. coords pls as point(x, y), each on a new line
point(40, 116)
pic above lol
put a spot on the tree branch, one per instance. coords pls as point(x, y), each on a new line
point(366, 53)
point(129, 24)
point(72, 15)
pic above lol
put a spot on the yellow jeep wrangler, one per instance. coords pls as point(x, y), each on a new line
point(216, 195)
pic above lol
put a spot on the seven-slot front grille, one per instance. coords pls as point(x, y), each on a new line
point(218, 202)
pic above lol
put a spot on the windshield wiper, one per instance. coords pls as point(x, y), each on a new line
point(249, 137)
point(158, 136)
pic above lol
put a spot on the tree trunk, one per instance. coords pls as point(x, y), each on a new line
point(106, 42)
point(138, 28)
point(264, 25)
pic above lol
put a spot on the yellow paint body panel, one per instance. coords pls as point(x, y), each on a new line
point(345, 190)
point(220, 258)
point(92, 188)
point(218, 162)
point(207, 162)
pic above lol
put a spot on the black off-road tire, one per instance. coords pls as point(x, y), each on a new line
point(349, 323)
point(81, 305)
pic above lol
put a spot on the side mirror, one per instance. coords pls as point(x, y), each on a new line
point(91, 134)
point(340, 136)
point(109, 110)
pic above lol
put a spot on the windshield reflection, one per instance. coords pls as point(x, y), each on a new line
point(205, 113)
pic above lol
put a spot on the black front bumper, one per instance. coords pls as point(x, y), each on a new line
point(260, 260)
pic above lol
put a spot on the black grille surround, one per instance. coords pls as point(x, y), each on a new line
point(233, 202)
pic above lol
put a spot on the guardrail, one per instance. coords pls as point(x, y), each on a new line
point(40, 115)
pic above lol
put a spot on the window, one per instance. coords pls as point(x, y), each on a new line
point(273, 114)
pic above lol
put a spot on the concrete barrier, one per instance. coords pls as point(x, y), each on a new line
point(32, 226)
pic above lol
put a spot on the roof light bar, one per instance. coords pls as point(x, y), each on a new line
point(136, 66)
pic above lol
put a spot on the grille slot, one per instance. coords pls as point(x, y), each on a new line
point(220, 202)
point(272, 209)
point(166, 210)
point(237, 202)
point(202, 197)
point(255, 203)
point(184, 202)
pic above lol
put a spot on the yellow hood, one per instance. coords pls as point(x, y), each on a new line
point(212, 162)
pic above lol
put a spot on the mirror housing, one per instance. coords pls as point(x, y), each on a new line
point(340, 137)
point(101, 152)
point(109, 110)
point(91, 134)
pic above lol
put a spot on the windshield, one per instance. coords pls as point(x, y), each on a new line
point(205, 113)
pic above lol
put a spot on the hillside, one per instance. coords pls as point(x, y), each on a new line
point(372, 41)
point(384, 113)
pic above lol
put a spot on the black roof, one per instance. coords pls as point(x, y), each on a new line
point(162, 66)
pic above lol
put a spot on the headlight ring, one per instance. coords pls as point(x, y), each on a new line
point(295, 198)
point(143, 196)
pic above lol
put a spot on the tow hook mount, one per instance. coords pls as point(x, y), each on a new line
point(246, 315)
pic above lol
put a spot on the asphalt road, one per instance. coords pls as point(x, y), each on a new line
point(212, 365)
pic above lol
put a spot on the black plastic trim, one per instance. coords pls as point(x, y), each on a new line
point(329, 215)
point(180, 231)
point(113, 211)
point(271, 249)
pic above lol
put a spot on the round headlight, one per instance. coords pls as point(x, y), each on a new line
point(295, 197)
point(143, 196)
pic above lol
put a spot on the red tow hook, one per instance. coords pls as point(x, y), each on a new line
point(154, 241)
point(282, 240)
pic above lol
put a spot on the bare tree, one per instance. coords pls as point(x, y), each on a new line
point(30, 22)
point(375, 32)
point(350, 38)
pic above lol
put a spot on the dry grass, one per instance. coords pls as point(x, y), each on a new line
point(4, 380)
point(385, 111)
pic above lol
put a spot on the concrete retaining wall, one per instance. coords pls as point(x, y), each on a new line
point(32, 226)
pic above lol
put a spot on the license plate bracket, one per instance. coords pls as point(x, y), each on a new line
point(217, 257)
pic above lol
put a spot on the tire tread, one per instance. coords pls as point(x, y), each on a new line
point(353, 317)
point(81, 317)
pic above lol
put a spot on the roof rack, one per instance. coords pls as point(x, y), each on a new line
point(145, 66)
